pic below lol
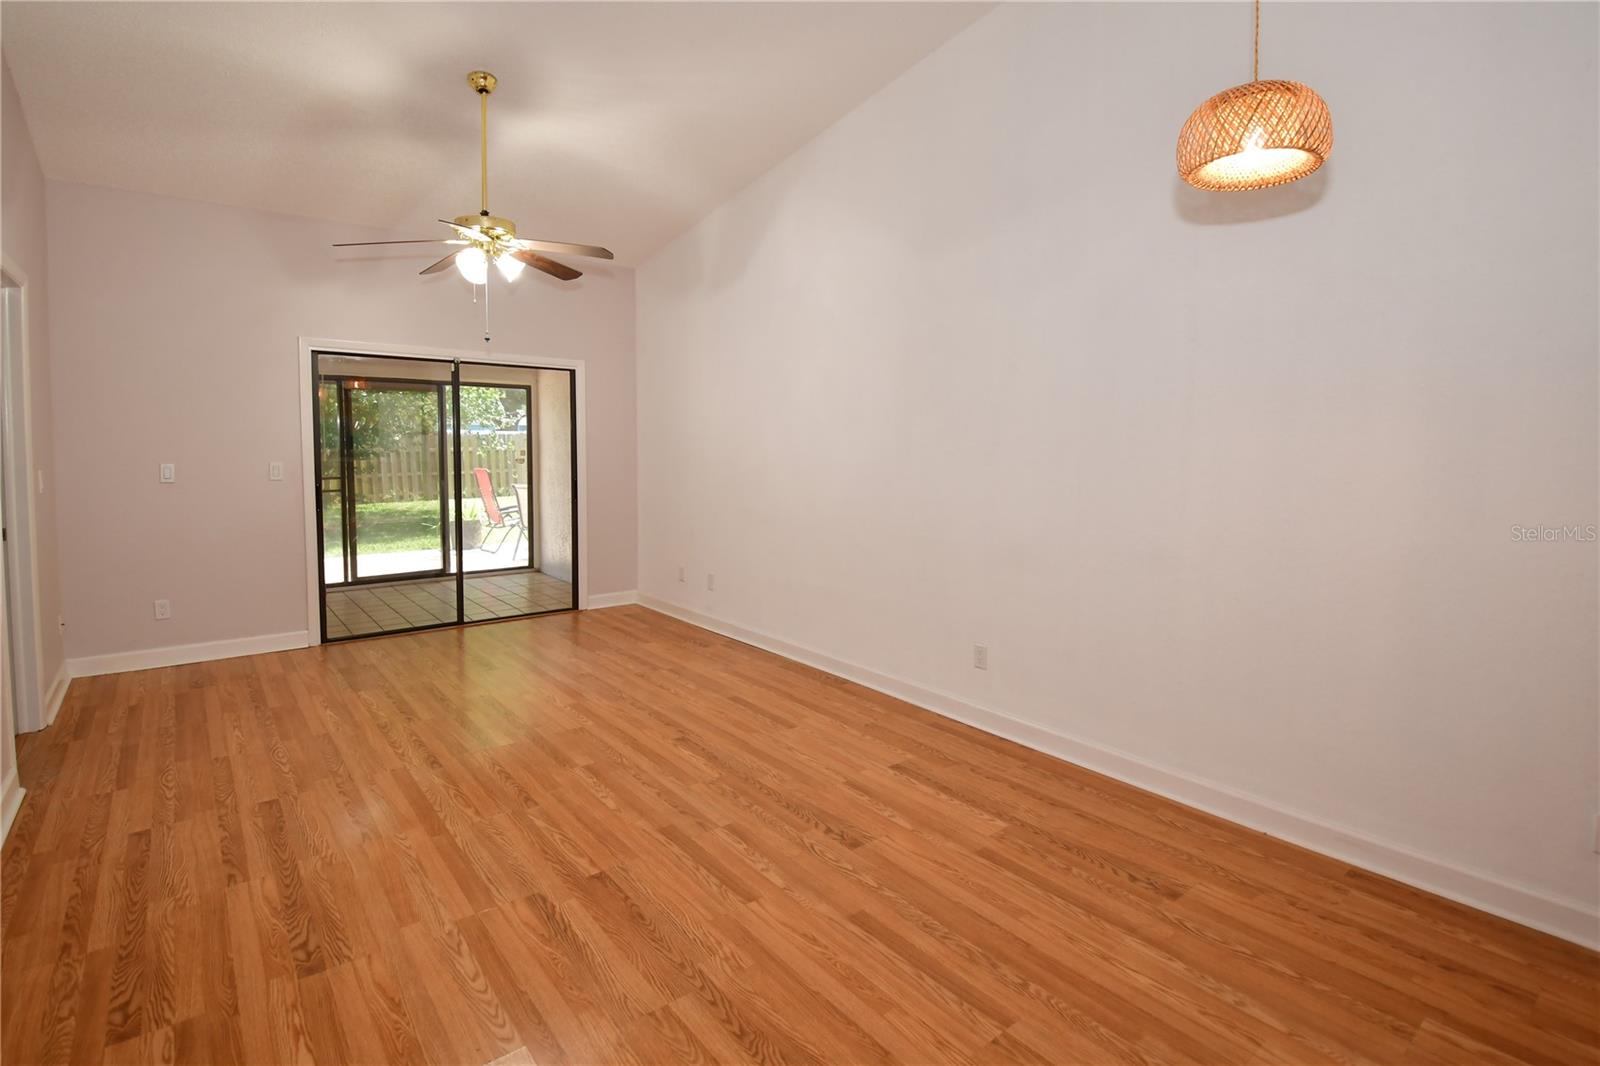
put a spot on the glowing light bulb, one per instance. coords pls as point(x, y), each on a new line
point(1256, 166)
point(510, 266)
point(473, 265)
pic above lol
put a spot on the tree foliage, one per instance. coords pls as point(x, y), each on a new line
point(385, 419)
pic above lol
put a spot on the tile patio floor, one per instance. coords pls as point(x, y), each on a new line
point(363, 610)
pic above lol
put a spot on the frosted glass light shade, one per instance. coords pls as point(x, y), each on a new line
point(510, 266)
point(1255, 135)
point(473, 265)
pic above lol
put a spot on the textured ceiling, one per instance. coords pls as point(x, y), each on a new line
point(618, 124)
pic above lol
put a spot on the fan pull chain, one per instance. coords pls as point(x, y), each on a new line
point(485, 316)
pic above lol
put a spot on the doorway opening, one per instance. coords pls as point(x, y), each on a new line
point(446, 492)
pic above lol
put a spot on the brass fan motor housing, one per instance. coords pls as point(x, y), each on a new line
point(490, 225)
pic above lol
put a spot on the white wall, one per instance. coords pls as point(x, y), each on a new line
point(175, 331)
point(1226, 483)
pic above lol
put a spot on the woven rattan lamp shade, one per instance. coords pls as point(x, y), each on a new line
point(1255, 135)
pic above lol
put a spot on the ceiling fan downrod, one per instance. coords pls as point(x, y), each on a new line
point(483, 84)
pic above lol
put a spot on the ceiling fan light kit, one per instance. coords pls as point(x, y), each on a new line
point(487, 238)
point(1256, 135)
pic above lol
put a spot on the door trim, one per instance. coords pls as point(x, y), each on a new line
point(21, 489)
point(308, 465)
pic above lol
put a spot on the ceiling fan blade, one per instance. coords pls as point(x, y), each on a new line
point(593, 251)
point(364, 244)
point(440, 265)
point(459, 228)
point(549, 266)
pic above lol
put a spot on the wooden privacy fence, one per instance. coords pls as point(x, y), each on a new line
point(409, 470)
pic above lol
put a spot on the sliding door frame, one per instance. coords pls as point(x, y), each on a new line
point(349, 532)
point(306, 374)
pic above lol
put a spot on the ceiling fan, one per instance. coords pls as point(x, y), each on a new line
point(486, 238)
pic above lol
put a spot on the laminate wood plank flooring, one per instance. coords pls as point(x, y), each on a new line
point(612, 837)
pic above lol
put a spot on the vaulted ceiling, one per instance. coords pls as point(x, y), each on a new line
point(616, 123)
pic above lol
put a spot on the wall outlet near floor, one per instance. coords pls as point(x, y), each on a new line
point(980, 656)
point(274, 471)
point(169, 473)
point(163, 610)
point(683, 573)
point(711, 582)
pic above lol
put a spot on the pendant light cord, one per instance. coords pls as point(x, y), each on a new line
point(1255, 56)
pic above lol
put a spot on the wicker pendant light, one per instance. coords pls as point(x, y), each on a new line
point(1255, 135)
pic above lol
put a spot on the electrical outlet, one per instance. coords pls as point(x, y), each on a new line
point(683, 573)
point(274, 471)
point(711, 582)
point(163, 610)
point(169, 473)
point(980, 656)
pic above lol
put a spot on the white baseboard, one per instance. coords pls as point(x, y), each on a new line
point(10, 802)
point(1568, 919)
point(178, 654)
point(56, 694)
point(612, 599)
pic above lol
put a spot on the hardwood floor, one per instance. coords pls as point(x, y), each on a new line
point(612, 837)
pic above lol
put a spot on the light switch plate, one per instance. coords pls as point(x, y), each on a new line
point(169, 473)
point(274, 471)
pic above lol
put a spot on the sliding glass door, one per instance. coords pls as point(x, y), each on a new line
point(391, 466)
point(518, 469)
point(496, 442)
point(410, 543)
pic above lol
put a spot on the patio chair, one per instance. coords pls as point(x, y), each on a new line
point(507, 518)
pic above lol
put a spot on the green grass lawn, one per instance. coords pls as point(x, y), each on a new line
point(412, 525)
point(409, 525)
